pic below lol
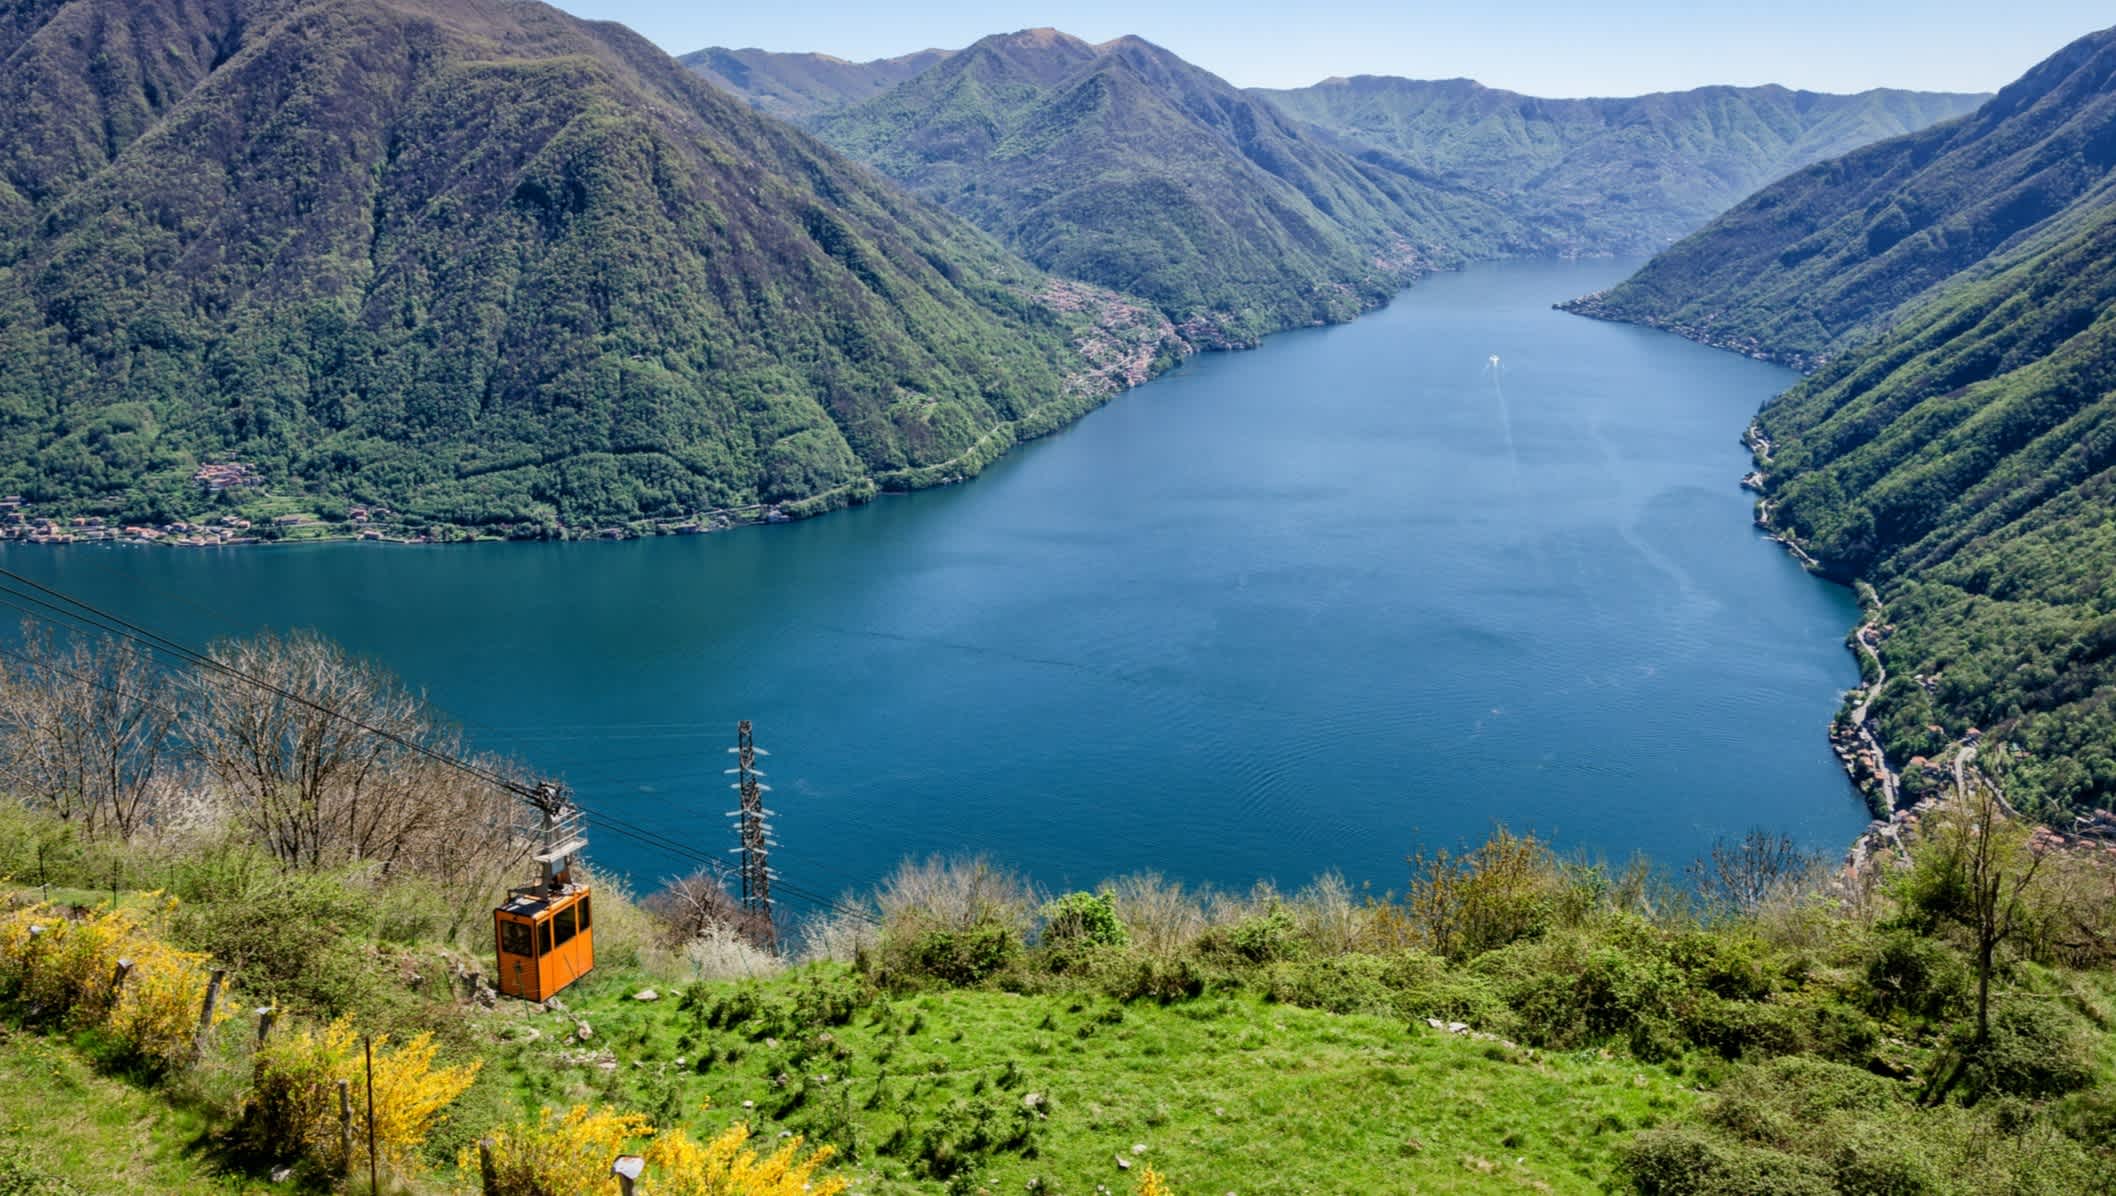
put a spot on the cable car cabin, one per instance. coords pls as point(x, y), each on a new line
point(546, 941)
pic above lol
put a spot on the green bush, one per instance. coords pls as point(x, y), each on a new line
point(294, 938)
point(1145, 975)
point(1686, 1161)
point(1337, 984)
point(1734, 1029)
point(1259, 938)
point(1917, 976)
point(2037, 1048)
point(965, 956)
point(1083, 919)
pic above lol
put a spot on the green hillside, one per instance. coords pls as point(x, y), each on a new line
point(1126, 166)
point(792, 86)
point(487, 265)
point(1628, 175)
point(1958, 449)
point(1831, 255)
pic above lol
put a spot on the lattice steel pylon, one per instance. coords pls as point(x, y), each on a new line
point(753, 829)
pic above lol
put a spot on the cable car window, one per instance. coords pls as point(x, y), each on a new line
point(547, 937)
point(563, 919)
point(514, 938)
point(583, 908)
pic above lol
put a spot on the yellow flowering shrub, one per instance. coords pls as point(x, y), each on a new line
point(559, 1156)
point(1151, 1184)
point(157, 1010)
point(294, 1092)
point(570, 1155)
point(68, 968)
point(724, 1166)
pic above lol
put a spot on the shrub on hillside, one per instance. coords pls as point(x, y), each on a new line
point(1509, 888)
point(956, 921)
point(961, 956)
point(1916, 976)
point(2037, 1048)
point(572, 1152)
point(1682, 1160)
point(722, 952)
point(293, 1103)
point(1136, 975)
point(65, 967)
point(296, 938)
point(1083, 920)
point(1262, 937)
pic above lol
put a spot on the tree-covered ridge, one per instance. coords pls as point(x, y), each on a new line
point(1958, 446)
point(1832, 254)
point(484, 263)
point(1124, 165)
point(1620, 175)
point(793, 86)
point(1966, 464)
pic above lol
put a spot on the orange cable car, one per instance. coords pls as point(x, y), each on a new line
point(545, 933)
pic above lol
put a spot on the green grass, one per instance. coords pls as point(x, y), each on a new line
point(63, 1124)
point(1227, 1093)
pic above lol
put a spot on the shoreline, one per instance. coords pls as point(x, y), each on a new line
point(1116, 363)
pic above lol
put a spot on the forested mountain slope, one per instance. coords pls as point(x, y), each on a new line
point(792, 86)
point(1830, 255)
point(1124, 165)
point(481, 261)
point(1626, 175)
point(1961, 453)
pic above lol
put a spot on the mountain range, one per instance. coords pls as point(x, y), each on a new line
point(1126, 166)
point(1608, 176)
point(1480, 172)
point(485, 263)
point(793, 86)
point(1956, 446)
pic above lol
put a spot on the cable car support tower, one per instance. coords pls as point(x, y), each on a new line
point(753, 830)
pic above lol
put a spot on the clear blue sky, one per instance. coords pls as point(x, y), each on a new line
point(1544, 47)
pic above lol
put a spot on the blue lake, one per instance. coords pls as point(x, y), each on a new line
point(1276, 613)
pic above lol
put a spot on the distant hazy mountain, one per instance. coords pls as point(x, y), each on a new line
point(1124, 165)
point(1608, 175)
point(483, 262)
point(1959, 447)
point(791, 86)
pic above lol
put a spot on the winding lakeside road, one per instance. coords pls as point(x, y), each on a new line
point(1865, 637)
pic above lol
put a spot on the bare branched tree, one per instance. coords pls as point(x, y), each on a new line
point(1989, 864)
point(694, 906)
point(328, 778)
point(86, 731)
point(1741, 874)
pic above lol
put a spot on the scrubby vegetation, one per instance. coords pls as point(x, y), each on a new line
point(1512, 1017)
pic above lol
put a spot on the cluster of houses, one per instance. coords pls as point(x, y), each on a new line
point(227, 475)
point(18, 523)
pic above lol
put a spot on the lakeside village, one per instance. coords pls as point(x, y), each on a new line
point(19, 522)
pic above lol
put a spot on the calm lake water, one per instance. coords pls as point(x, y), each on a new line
point(1276, 613)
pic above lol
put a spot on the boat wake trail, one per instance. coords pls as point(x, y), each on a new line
point(1506, 419)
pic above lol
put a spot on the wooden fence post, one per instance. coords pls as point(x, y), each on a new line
point(117, 980)
point(205, 1009)
point(345, 1129)
point(265, 1016)
point(488, 1171)
point(374, 1171)
point(627, 1169)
